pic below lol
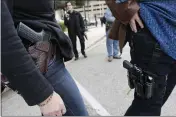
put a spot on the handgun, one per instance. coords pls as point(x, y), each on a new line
point(142, 81)
point(27, 33)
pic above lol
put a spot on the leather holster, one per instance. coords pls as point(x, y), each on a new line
point(42, 52)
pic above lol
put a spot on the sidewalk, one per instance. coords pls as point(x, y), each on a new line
point(107, 82)
point(14, 105)
point(94, 35)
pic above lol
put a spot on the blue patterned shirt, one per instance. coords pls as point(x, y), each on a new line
point(160, 18)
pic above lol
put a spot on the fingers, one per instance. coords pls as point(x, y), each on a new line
point(133, 26)
point(134, 20)
point(63, 109)
point(55, 113)
point(55, 107)
point(60, 112)
point(139, 21)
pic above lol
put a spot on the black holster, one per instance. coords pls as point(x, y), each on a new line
point(141, 81)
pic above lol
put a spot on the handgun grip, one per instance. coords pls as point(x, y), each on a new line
point(28, 33)
point(127, 65)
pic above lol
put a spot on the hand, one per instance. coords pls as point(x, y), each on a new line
point(136, 19)
point(55, 106)
point(67, 16)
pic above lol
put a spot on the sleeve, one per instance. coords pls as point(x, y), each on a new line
point(81, 22)
point(65, 21)
point(109, 17)
point(123, 11)
point(18, 66)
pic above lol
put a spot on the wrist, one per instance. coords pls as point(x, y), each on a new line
point(45, 102)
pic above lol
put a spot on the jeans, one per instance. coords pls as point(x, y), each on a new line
point(145, 55)
point(112, 46)
point(65, 86)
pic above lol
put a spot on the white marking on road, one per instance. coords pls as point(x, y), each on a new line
point(92, 101)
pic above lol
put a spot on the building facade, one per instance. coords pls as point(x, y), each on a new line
point(88, 11)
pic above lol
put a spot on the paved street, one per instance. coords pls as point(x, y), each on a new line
point(107, 82)
point(104, 82)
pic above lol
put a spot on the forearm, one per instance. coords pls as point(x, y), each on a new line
point(18, 66)
point(82, 22)
point(65, 21)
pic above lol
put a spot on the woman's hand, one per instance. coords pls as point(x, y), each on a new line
point(53, 106)
point(136, 19)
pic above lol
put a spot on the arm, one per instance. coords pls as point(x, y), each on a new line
point(109, 17)
point(18, 66)
point(123, 11)
point(81, 22)
point(65, 21)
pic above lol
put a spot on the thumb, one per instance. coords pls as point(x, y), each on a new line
point(63, 109)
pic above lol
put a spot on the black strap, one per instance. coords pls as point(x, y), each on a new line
point(157, 52)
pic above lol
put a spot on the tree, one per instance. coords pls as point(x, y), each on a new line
point(59, 4)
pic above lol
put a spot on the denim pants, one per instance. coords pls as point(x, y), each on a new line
point(65, 86)
point(145, 55)
point(112, 46)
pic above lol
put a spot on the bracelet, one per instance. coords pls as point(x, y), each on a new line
point(47, 101)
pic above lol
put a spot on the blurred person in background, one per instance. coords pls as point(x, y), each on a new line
point(111, 44)
point(76, 27)
point(96, 22)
